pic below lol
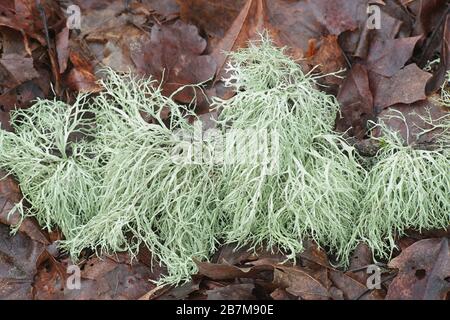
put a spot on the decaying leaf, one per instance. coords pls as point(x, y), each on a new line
point(406, 86)
point(352, 288)
point(213, 16)
point(111, 278)
point(355, 97)
point(424, 270)
point(81, 78)
point(386, 58)
point(19, 257)
point(173, 54)
point(20, 68)
point(384, 77)
point(226, 271)
point(232, 292)
point(420, 117)
point(299, 283)
point(10, 195)
point(330, 59)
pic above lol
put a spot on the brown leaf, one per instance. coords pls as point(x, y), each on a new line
point(428, 14)
point(105, 278)
point(394, 22)
point(81, 78)
point(109, 32)
point(330, 59)
point(231, 255)
point(20, 68)
point(173, 54)
point(299, 283)
point(232, 292)
point(213, 16)
point(62, 49)
point(352, 288)
point(19, 256)
point(5, 121)
point(281, 294)
point(245, 27)
point(14, 41)
point(360, 259)
point(406, 86)
point(314, 256)
point(10, 195)
point(423, 270)
point(355, 98)
point(299, 21)
point(180, 292)
point(16, 22)
point(226, 271)
point(165, 8)
point(416, 120)
point(23, 95)
point(290, 23)
point(386, 58)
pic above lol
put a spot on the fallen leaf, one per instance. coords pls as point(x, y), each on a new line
point(166, 8)
point(105, 278)
point(424, 269)
point(23, 95)
point(62, 49)
point(428, 14)
point(281, 294)
point(359, 261)
point(226, 271)
point(313, 255)
point(19, 256)
point(299, 283)
point(352, 288)
point(245, 27)
point(406, 86)
point(419, 118)
point(330, 59)
point(14, 20)
point(10, 195)
point(387, 57)
point(355, 98)
point(233, 256)
point(173, 55)
point(232, 292)
point(394, 22)
point(180, 292)
point(109, 31)
point(20, 68)
point(205, 13)
point(290, 23)
point(5, 121)
point(81, 77)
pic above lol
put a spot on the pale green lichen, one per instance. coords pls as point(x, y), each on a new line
point(103, 170)
point(54, 166)
point(316, 188)
point(407, 189)
point(147, 198)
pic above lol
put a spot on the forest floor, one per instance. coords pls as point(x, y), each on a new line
point(395, 55)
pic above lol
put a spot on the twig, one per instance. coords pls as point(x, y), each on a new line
point(50, 49)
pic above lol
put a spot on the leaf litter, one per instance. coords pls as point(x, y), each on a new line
point(377, 61)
